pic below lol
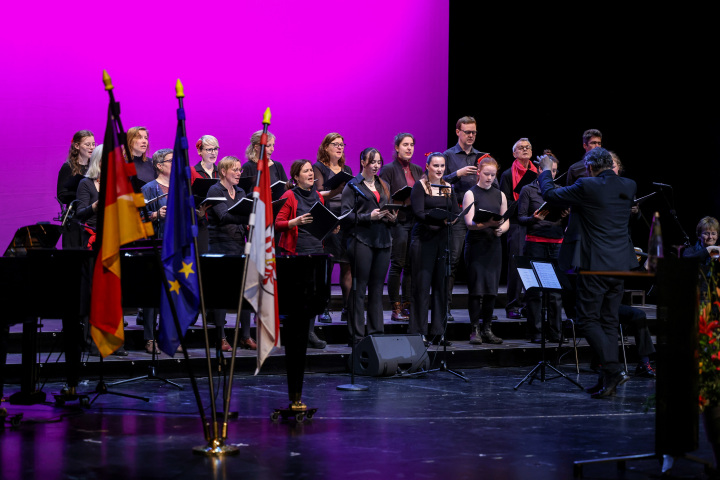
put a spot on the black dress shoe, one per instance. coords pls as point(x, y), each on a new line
point(450, 317)
point(610, 384)
point(441, 342)
point(120, 352)
point(426, 342)
point(597, 387)
point(645, 370)
point(325, 317)
point(513, 315)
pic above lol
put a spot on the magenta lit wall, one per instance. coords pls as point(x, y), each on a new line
point(365, 69)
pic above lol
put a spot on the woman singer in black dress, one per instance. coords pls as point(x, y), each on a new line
point(483, 250)
point(428, 249)
point(69, 177)
point(227, 236)
point(368, 244)
point(291, 219)
point(330, 162)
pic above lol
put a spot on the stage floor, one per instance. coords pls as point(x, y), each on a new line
point(432, 427)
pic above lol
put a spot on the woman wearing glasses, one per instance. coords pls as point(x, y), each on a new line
point(207, 147)
point(368, 244)
point(227, 236)
point(71, 174)
point(330, 162)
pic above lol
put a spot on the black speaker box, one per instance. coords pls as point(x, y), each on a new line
point(387, 355)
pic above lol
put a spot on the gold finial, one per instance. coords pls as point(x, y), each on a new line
point(179, 90)
point(266, 116)
point(107, 81)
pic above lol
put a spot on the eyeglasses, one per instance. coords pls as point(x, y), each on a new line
point(211, 150)
point(89, 144)
point(469, 133)
point(338, 145)
point(523, 147)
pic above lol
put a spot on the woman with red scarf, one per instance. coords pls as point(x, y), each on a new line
point(509, 181)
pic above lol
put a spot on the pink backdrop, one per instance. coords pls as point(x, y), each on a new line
point(367, 70)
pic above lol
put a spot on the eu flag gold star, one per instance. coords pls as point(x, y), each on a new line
point(175, 286)
point(187, 269)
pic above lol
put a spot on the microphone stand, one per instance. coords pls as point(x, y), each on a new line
point(448, 271)
point(673, 213)
point(352, 386)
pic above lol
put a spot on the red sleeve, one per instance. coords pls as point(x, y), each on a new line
point(286, 212)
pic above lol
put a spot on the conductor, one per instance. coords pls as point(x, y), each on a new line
point(601, 203)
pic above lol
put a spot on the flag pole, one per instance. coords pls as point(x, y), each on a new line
point(252, 223)
point(215, 445)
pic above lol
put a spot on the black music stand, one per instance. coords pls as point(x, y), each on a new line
point(352, 386)
point(450, 220)
point(540, 274)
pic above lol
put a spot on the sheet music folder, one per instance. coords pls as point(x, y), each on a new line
point(337, 180)
point(538, 273)
point(245, 205)
point(442, 214)
point(324, 221)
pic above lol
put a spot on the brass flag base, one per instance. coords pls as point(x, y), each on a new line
point(216, 448)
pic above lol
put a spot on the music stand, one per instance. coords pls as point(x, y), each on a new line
point(540, 274)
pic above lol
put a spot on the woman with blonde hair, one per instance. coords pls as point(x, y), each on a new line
point(249, 168)
point(138, 143)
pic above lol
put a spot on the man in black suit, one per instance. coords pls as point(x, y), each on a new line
point(601, 206)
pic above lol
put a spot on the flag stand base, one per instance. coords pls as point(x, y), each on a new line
point(216, 448)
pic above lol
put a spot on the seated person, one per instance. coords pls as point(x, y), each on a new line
point(706, 247)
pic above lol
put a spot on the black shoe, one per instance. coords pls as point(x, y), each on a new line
point(523, 312)
point(450, 317)
point(325, 317)
point(597, 387)
point(535, 338)
point(610, 385)
point(513, 315)
point(440, 341)
point(493, 318)
point(120, 352)
point(343, 315)
point(426, 342)
point(556, 339)
point(315, 342)
point(645, 370)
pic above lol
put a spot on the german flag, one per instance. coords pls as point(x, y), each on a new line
point(119, 223)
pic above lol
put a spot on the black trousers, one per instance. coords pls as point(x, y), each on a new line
point(457, 247)
point(598, 303)
point(368, 273)
point(515, 246)
point(400, 264)
point(427, 257)
point(637, 321)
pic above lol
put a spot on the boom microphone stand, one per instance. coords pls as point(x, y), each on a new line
point(352, 386)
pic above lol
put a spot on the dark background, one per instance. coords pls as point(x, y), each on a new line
point(647, 82)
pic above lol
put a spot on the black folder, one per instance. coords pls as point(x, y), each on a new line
point(526, 179)
point(277, 189)
point(337, 180)
point(245, 206)
point(442, 214)
point(393, 207)
point(201, 186)
point(482, 216)
point(324, 221)
point(554, 211)
point(402, 194)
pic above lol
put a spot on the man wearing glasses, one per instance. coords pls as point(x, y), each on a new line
point(461, 172)
point(522, 151)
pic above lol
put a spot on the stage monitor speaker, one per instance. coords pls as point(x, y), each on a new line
point(387, 355)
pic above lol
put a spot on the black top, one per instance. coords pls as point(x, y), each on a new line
point(87, 194)
point(455, 159)
point(394, 175)
point(277, 172)
point(529, 201)
point(144, 170)
point(224, 226)
point(199, 169)
point(150, 191)
point(67, 183)
point(306, 243)
point(374, 233)
point(323, 173)
point(425, 225)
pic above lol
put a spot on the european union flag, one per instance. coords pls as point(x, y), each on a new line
point(178, 249)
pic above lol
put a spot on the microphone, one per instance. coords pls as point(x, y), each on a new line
point(662, 184)
point(357, 190)
point(69, 213)
point(440, 186)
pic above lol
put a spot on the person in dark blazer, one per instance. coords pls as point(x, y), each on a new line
point(601, 206)
point(368, 244)
point(398, 174)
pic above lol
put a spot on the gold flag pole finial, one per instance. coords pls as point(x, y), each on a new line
point(179, 89)
point(266, 117)
point(107, 81)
